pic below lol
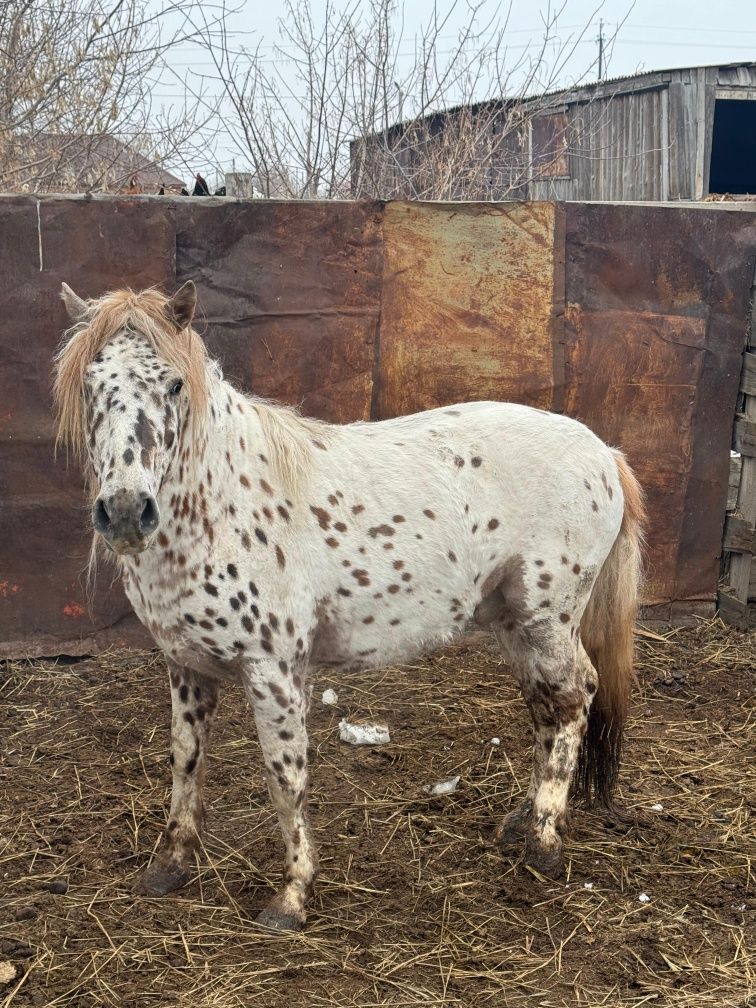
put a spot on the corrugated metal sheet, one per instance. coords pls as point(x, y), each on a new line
point(657, 301)
point(94, 245)
point(290, 294)
point(358, 310)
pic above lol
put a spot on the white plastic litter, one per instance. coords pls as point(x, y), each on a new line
point(7, 972)
point(495, 740)
point(363, 734)
point(330, 698)
point(587, 885)
point(657, 808)
point(443, 787)
point(644, 898)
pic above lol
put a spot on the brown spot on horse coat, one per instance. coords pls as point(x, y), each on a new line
point(377, 530)
point(324, 518)
point(144, 431)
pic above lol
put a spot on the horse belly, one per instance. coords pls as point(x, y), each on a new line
point(398, 626)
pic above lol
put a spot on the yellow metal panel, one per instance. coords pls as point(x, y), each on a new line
point(468, 305)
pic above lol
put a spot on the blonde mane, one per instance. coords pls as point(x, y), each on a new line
point(146, 313)
point(291, 440)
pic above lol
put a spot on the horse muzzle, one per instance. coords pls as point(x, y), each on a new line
point(126, 520)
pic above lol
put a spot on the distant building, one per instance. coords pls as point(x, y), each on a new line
point(62, 162)
point(680, 134)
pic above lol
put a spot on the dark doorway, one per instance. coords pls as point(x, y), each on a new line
point(733, 147)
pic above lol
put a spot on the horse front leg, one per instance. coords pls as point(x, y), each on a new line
point(278, 696)
point(194, 699)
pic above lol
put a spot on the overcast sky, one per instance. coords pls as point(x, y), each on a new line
point(650, 34)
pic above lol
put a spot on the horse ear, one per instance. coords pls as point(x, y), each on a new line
point(76, 308)
point(181, 306)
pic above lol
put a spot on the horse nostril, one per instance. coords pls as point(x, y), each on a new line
point(100, 516)
point(149, 518)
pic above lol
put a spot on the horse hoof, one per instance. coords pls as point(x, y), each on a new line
point(276, 920)
point(547, 861)
point(514, 826)
point(159, 878)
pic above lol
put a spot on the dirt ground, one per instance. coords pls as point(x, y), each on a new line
point(415, 904)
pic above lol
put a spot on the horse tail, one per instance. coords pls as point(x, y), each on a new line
point(606, 631)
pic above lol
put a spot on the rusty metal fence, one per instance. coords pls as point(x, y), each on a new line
point(628, 317)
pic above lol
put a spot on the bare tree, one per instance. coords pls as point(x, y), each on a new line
point(345, 105)
point(76, 79)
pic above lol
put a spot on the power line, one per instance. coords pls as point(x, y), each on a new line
point(686, 45)
point(707, 30)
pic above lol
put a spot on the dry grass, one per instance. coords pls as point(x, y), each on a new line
point(415, 906)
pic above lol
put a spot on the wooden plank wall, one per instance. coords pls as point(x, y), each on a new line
point(740, 527)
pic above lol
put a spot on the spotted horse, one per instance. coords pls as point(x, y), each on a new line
point(257, 545)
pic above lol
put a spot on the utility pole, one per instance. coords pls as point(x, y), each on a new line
point(600, 41)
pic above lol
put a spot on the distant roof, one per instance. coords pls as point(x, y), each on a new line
point(570, 91)
point(90, 153)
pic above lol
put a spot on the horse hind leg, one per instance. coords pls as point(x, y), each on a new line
point(514, 827)
point(558, 682)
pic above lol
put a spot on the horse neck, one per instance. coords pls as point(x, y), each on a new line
point(201, 465)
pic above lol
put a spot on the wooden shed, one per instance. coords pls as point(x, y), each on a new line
point(680, 134)
point(669, 135)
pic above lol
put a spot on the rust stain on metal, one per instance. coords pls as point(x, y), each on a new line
point(468, 302)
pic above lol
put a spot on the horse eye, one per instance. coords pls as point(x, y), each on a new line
point(176, 387)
